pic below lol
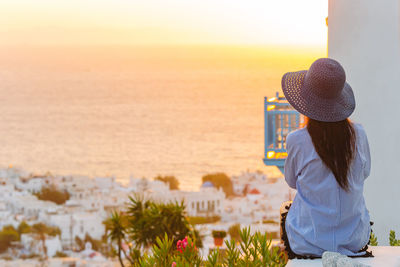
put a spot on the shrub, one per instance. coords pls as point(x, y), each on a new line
point(234, 232)
point(30, 256)
point(218, 234)
point(145, 222)
point(24, 228)
point(41, 228)
point(220, 180)
point(148, 220)
point(53, 195)
point(253, 250)
point(170, 180)
point(79, 243)
point(97, 245)
point(392, 239)
point(8, 235)
point(373, 240)
point(272, 235)
point(203, 220)
point(270, 222)
point(60, 254)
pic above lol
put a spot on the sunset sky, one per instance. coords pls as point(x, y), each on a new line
point(252, 22)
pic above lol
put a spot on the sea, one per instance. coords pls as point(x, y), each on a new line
point(140, 111)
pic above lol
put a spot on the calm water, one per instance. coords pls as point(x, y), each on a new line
point(183, 111)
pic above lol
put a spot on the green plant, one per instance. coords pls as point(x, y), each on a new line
point(392, 239)
point(218, 234)
point(234, 232)
point(214, 259)
point(253, 250)
point(116, 232)
point(143, 223)
point(373, 241)
point(164, 253)
point(257, 250)
point(148, 220)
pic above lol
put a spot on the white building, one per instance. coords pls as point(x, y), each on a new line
point(33, 185)
point(105, 183)
point(206, 202)
point(364, 35)
point(13, 173)
point(253, 208)
point(30, 206)
point(5, 215)
point(35, 246)
point(142, 185)
point(209, 201)
point(248, 180)
point(77, 224)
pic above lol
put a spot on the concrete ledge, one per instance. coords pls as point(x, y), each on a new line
point(384, 256)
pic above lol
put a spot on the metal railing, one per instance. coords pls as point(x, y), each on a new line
point(279, 120)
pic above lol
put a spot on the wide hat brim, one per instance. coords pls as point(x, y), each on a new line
point(311, 105)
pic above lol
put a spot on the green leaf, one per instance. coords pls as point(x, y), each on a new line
point(212, 259)
point(392, 239)
point(373, 241)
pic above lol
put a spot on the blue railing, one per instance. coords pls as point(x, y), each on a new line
point(279, 120)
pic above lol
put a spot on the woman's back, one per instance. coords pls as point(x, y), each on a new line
point(323, 215)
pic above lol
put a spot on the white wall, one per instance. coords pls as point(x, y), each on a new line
point(364, 37)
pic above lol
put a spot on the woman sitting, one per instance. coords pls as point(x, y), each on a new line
point(328, 161)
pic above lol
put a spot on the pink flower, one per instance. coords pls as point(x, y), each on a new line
point(173, 264)
point(181, 244)
point(184, 242)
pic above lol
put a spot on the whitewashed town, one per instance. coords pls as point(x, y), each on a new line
point(256, 201)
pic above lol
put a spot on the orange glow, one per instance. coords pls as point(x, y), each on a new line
point(281, 155)
point(272, 99)
point(271, 107)
point(278, 155)
point(260, 22)
point(270, 154)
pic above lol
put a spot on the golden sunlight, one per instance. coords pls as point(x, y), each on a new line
point(257, 22)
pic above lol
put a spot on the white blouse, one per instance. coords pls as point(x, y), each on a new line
point(324, 217)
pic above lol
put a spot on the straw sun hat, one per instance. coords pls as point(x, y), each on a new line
point(320, 93)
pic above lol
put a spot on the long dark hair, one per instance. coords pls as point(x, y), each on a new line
point(335, 145)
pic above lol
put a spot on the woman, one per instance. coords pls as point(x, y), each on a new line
point(327, 163)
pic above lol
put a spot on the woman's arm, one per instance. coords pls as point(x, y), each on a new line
point(290, 163)
point(367, 167)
